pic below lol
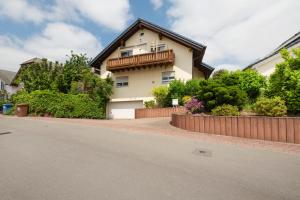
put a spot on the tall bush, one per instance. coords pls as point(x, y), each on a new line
point(285, 81)
point(176, 91)
point(160, 94)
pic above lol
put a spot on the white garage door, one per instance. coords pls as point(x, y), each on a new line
point(123, 110)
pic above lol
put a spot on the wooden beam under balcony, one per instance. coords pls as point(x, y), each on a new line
point(149, 59)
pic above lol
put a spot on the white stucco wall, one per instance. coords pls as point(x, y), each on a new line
point(9, 89)
point(267, 67)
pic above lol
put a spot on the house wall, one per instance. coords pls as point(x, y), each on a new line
point(142, 81)
point(9, 89)
point(267, 67)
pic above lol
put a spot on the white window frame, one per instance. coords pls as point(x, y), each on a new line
point(122, 81)
point(157, 48)
point(163, 46)
point(167, 77)
point(127, 51)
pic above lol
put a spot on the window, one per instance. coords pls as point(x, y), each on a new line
point(1, 85)
point(97, 71)
point(158, 48)
point(122, 81)
point(167, 77)
point(153, 49)
point(126, 53)
point(161, 47)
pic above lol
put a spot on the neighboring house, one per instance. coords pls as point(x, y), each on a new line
point(145, 56)
point(6, 78)
point(266, 65)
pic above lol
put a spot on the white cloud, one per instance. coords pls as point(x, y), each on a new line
point(113, 14)
point(55, 42)
point(157, 4)
point(235, 31)
point(21, 10)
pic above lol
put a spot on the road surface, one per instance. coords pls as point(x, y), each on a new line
point(63, 161)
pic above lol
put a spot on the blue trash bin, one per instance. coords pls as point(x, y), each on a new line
point(7, 107)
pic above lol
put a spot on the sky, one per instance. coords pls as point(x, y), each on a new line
point(236, 32)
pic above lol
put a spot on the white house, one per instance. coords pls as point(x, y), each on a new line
point(145, 56)
point(266, 65)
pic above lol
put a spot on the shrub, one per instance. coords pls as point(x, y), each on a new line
point(186, 99)
point(149, 104)
point(249, 81)
point(176, 91)
point(225, 110)
point(194, 106)
point(160, 94)
point(214, 93)
point(274, 107)
point(43, 102)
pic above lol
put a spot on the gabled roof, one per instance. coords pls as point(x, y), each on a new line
point(141, 23)
point(286, 44)
point(32, 60)
point(7, 76)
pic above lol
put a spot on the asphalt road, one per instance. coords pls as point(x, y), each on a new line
point(54, 160)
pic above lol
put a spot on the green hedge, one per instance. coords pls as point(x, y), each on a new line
point(43, 102)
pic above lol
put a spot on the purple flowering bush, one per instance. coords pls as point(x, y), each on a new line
point(194, 106)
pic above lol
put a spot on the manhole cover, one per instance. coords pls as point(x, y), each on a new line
point(4, 133)
point(202, 152)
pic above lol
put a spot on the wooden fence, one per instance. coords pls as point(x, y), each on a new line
point(281, 129)
point(157, 112)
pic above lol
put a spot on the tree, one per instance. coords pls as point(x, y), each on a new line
point(39, 76)
point(74, 76)
point(193, 87)
point(285, 81)
point(251, 82)
point(73, 70)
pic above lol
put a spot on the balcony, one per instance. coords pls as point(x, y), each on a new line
point(142, 60)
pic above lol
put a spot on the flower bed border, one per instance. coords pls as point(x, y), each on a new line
point(280, 129)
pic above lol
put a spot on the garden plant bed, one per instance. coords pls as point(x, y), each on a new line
point(280, 129)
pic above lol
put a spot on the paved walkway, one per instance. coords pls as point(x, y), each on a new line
point(162, 126)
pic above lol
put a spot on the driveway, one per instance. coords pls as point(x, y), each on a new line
point(42, 158)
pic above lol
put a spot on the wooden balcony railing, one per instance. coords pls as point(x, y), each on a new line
point(148, 59)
